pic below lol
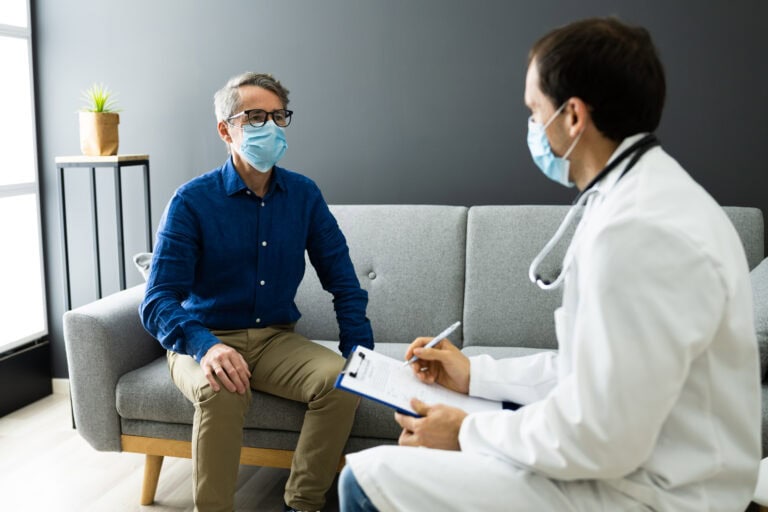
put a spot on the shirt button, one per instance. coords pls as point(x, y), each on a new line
point(262, 283)
point(248, 192)
point(371, 275)
point(264, 243)
point(258, 320)
point(262, 203)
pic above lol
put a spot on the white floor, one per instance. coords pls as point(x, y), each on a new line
point(45, 466)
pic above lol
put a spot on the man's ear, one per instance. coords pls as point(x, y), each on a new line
point(223, 129)
point(578, 115)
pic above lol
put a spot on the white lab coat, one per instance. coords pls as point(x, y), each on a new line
point(653, 399)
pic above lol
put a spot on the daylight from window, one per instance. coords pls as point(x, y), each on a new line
point(22, 290)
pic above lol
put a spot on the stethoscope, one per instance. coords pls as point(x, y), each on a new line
point(636, 150)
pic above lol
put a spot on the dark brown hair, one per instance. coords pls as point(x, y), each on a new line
point(613, 67)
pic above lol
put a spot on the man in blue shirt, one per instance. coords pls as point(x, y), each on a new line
point(220, 297)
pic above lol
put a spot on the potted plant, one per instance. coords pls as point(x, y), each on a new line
point(98, 122)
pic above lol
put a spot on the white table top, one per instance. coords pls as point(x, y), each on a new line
point(85, 159)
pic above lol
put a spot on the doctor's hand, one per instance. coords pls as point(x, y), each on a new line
point(437, 428)
point(444, 364)
point(227, 364)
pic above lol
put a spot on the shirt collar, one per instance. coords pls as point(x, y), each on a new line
point(234, 184)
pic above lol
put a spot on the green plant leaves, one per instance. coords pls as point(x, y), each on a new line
point(99, 98)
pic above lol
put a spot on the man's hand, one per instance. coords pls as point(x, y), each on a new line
point(437, 428)
point(444, 364)
point(226, 364)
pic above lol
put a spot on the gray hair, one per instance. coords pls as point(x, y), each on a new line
point(226, 101)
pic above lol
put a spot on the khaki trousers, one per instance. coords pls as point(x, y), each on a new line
point(285, 364)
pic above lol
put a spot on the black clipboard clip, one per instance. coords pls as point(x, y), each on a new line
point(353, 364)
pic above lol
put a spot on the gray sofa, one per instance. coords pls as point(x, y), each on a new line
point(424, 267)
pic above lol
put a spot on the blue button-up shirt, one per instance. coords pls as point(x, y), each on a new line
point(228, 259)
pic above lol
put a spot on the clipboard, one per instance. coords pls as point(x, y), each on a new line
point(384, 379)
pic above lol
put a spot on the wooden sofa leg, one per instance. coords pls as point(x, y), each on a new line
point(152, 467)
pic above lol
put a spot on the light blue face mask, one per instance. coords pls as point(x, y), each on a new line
point(264, 146)
point(554, 167)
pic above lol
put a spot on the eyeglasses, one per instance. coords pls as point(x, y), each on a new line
point(258, 118)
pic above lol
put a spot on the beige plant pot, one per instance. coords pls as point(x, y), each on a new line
point(98, 133)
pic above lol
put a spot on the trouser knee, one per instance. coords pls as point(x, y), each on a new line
point(325, 386)
point(224, 402)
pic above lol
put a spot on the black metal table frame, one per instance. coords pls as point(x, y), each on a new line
point(116, 167)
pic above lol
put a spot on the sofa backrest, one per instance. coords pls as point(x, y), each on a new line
point(749, 224)
point(471, 263)
point(410, 259)
point(502, 307)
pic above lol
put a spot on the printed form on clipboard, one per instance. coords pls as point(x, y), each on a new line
point(385, 380)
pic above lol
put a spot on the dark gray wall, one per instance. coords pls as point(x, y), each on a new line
point(396, 101)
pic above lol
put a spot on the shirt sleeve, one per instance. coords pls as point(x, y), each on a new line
point(170, 281)
point(329, 254)
point(649, 304)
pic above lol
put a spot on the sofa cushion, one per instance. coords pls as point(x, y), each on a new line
point(759, 279)
point(410, 259)
point(149, 394)
point(502, 307)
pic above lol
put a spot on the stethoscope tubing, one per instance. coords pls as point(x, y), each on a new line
point(636, 150)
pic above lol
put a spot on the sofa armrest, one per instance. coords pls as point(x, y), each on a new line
point(104, 340)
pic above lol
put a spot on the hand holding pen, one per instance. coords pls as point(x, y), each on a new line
point(444, 364)
point(434, 341)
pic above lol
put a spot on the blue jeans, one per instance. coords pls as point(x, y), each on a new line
point(352, 498)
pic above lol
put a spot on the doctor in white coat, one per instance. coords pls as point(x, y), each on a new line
point(652, 400)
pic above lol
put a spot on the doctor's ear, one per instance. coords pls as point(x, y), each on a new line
point(578, 114)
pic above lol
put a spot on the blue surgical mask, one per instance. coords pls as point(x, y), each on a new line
point(264, 146)
point(554, 167)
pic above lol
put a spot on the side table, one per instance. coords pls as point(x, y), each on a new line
point(116, 163)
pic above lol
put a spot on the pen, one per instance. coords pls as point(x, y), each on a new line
point(437, 339)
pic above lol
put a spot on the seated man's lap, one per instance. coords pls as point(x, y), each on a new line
point(188, 376)
point(282, 363)
point(291, 366)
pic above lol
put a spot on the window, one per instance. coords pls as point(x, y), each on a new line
point(22, 289)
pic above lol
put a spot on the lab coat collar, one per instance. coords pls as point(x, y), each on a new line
point(607, 183)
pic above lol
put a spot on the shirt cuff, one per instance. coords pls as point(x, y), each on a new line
point(199, 341)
